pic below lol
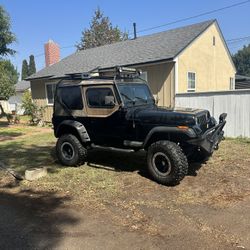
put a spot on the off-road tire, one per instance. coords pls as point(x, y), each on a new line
point(174, 156)
point(79, 153)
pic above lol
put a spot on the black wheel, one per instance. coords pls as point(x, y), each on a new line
point(70, 151)
point(167, 164)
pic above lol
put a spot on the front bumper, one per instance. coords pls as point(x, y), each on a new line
point(210, 140)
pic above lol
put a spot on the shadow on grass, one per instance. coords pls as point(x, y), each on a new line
point(20, 157)
point(32, 220)
point(8, 135)
point(129, 162)
point(194, 168)
point(118, 161)
point(4, 123)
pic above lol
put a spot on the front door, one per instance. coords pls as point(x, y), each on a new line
point(106, 123)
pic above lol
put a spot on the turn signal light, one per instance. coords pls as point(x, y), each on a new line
point(183, 127)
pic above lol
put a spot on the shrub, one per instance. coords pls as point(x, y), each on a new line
point(32, 109)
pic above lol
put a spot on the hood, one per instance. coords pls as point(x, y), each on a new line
point(163, 115)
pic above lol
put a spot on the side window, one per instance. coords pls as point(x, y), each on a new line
point(191, 82)
point(71, 97)
point(50, 91)
point(100, 98)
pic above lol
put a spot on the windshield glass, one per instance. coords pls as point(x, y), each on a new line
point(135, 93)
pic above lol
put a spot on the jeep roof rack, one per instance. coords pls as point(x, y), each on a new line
point(107, 73)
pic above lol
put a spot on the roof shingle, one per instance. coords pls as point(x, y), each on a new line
point(159, 46)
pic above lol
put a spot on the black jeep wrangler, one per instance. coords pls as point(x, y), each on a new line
point(114, 109)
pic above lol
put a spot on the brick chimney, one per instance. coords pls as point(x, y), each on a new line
point(52, 53)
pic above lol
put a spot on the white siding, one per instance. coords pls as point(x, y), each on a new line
point(235, 103)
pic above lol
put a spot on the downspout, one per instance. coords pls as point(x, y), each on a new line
point(176, 78)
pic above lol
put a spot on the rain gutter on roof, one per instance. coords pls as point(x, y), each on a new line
point(38, 78)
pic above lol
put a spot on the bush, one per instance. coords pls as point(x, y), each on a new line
point(13, 118)
point(32, 109)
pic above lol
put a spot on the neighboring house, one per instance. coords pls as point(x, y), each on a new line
point(15, 102)
point(242, 82)
point(193, 58)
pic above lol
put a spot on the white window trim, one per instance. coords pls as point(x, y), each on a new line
point(47, 100)
point(190, 90)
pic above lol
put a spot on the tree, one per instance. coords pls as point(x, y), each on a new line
point(8, 74)
point(6, 36)
point(242, 61)
point(25, 69)
point(32, 65)
point(101, 32)
point(8, 79)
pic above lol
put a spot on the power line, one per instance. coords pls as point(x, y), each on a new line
point(240, 39)
point(181, 20)
point(192, 17)
point(65, 47)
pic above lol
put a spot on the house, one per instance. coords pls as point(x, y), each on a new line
point(242, 82)
point(193, 58)
point(15, 101)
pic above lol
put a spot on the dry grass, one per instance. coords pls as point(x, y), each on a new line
point(117, 178)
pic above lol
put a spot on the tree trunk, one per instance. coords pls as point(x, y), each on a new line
point(2, 114)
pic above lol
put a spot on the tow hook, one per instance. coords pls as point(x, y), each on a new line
point(216, 147)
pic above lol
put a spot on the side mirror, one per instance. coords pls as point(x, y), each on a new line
point(110, 101)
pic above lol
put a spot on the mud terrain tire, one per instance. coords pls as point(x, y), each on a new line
point(167, 164)
point(70, 151)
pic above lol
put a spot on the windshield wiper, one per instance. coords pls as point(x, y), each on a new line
point(127, 97)
point(142, 99)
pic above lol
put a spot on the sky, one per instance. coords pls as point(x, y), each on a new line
point(35, 22)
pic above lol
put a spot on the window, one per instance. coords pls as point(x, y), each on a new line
point(71, 97)
point(191, 82)
point(50, 92)
point(232, 83)
point(213, 40)
point(100, 97)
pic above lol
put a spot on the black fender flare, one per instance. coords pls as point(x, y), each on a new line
point(168, 130)
point(79, 127)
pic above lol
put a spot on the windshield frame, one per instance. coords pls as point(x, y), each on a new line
point(135, 101)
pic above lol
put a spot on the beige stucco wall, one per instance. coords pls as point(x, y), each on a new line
point(39, 96)
point(161, 81)
point(211, 64)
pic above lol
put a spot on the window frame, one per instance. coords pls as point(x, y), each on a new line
point(47, 99)
point(190, 90)
point(100, 107)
